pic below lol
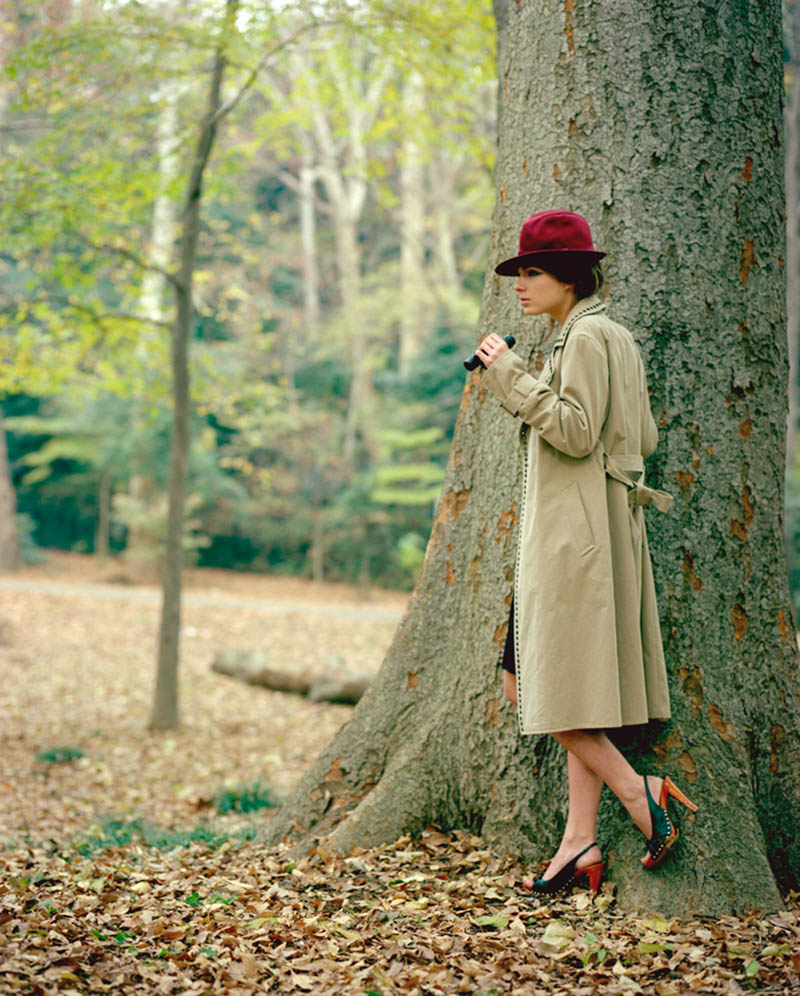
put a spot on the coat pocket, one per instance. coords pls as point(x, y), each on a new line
point(577, 519)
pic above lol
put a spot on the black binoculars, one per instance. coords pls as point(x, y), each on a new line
point(474, 361)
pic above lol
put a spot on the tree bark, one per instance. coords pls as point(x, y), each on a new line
point(792, 118)
point(9, 535)
point(677, 162)
point(164, 715)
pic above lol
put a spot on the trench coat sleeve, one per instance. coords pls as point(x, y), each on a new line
point(571, 420)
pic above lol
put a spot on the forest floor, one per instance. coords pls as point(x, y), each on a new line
point(128, 862)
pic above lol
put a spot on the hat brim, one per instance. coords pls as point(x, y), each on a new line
point(511, 267)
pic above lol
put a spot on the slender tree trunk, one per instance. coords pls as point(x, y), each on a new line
point(444, 221)
point(101, 535)
point(346, 186)
point(678, 164)
point(142, 486)
point(413, 327)
point(347, 196)
point(164, 715)
point(308, 241)
point(349, 268)
point(318, 547)
point(9, 32)
point(9, 536)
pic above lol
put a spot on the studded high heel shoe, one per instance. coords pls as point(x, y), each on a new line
point(665, 833)
point(569, 876)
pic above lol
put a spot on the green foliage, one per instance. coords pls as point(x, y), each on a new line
point(76, 435)
point(410, 553)
point(245, 799)
point(84, 177)
point(60, 755)
point(111, 833)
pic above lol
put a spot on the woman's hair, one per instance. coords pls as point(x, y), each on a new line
point(587, 276)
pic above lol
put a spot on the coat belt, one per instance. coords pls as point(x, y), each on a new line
point(620, 466)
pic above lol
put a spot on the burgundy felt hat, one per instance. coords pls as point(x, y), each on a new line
point(554, 234)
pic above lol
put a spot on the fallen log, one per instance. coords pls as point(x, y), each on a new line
point(254, 667)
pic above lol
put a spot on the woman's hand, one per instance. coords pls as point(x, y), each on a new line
point(491, 349)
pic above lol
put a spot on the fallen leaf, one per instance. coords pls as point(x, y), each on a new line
point(557, 934)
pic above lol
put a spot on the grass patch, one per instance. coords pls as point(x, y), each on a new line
point(111, 833)
point(245, 799)
point(60, 755)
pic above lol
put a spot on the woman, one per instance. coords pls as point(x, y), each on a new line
point(583, 649)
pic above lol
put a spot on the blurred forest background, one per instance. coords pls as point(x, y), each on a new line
point(343, 243)
point(344, 237)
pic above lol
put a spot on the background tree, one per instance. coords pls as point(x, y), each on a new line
point(164, 715)
point(77, 314)
point(677, 162)
point(9, 540)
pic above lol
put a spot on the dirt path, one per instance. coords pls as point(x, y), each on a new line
point(77, 663)
point(152, 596)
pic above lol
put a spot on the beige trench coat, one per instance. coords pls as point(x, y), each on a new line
point(587, 638)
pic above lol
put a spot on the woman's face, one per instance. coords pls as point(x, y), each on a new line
point(540, 293)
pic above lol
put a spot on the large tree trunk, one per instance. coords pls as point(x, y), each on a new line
point(791, 32)
point(164, 715)
point(678, 165)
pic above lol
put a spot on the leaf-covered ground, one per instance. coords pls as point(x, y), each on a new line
point(127, 860)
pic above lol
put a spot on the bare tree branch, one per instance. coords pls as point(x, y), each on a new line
point(230, 104)
point(100, 318)
point(128, 254)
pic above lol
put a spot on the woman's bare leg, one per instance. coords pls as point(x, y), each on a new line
point(510, 687)
point(584, 799)
point(598, 753)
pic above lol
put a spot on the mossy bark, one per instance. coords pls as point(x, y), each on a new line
point(662, 124)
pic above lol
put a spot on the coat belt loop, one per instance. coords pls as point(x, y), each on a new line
point(619, 466)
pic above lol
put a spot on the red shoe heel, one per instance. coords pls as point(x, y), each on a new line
point(594, 873)
point(568, 876)
point(672, 789)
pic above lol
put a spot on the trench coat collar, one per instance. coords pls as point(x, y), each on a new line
point(586, 306)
